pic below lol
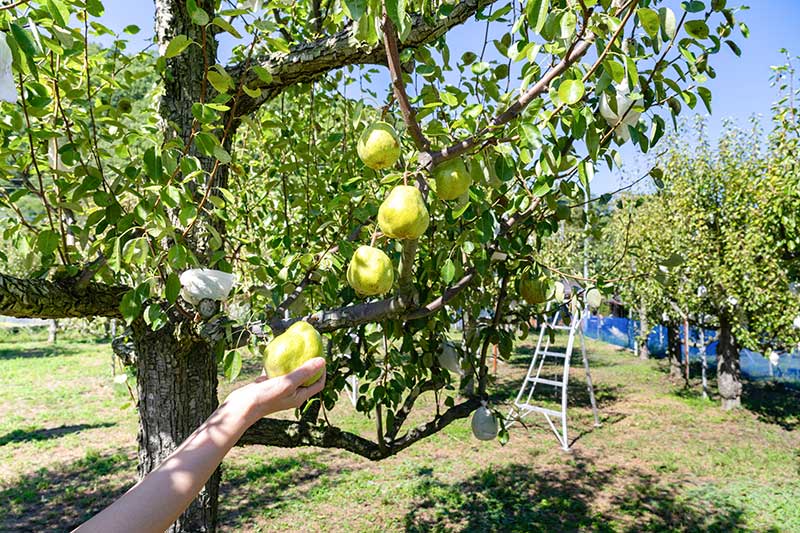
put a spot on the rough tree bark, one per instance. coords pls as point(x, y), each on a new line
point(729, 380)
point(177, 386)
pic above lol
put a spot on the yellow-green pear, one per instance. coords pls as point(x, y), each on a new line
point(291, 349)
point(370, 271)
point(452, 179)
point(536, 290)
point(403, 214)
point(378, 146)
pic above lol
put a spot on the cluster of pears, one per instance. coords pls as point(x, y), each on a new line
point(403, 214)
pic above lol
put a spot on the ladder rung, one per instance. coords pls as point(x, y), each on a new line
point(546, 382)
point(553, 354)
point(565, 328)
point(528, 407)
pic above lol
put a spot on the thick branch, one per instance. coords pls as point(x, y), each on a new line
point(310, 61)
point(291, 434)
point(41, 298)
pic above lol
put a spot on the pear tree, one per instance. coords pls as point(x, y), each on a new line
point(277, 163)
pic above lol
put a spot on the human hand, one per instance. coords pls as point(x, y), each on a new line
point(266, 395)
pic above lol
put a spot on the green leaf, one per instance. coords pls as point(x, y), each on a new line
point(219, 79)
point(262, 73)
point(177, 45)
point(568, 23)
point(355, 8)
point(173, 287)
point(673, 260)
point(226, 26)
point(396, 9)
point(650, 21)
point(196, 13)
point(571, 91)
point(734, 47)
point(536, 11)
point(232, 365)
point(448, 271)
point(669, 25)
point(206, 143)
point(47, 242)
point(705, 95)
point(693, 6)
point(697, 29)
point(23, 40)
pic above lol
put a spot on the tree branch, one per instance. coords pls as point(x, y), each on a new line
point(309, 61)
point(41, 298)
point(393, 60)
point(512, 111)
point(291, 434)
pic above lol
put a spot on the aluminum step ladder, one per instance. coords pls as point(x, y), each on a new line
point(525, 402)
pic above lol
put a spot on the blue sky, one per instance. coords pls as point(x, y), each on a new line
point(740, 90)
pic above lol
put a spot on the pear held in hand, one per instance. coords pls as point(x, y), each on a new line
point(403, 214)
point(379, 147)
point(452, 179)
point(370, 271)
point(290, 350)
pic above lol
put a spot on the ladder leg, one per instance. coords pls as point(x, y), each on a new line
point(565, 388)
point(589, 386)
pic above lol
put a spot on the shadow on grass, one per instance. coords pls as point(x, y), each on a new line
point(15, 352)
point(520, 498)
point(61, 497)
point(774, 403)
point(38, 434)
point(266, 485)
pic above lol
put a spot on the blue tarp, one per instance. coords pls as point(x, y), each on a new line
point(622, 332)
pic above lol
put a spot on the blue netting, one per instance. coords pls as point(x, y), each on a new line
point(623, 331)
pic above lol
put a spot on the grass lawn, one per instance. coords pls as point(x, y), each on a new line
point(664, 459)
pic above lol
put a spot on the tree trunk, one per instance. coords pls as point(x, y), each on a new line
point(177, 385)
point(177, 373)
point(52, 331)
point(644, 331)
point(729, 380)
point(674, 350)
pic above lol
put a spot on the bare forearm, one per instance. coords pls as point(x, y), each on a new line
point(157, 501)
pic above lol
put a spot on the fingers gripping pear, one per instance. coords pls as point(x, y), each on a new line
point(403, 214)
point(452, 179)
point(379, 147)
point(370, 271)
point(291, 349)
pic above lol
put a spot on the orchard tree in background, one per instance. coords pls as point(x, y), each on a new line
point(720, 239)
point(251, 167)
